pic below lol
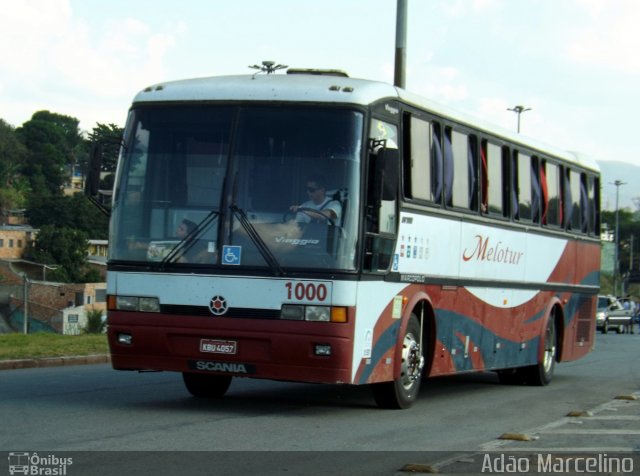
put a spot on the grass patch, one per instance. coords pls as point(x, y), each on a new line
point(30, 346)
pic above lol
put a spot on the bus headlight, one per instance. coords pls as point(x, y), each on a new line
point(127, 303)
point(149, 304)
point(133, 303)
point(292, 312)
point(299, 312)
point(317, 313)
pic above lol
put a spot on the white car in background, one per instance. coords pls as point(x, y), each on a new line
point(611, 314)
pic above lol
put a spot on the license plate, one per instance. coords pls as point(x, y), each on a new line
point(212, 346)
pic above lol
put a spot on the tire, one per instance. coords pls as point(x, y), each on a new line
point(542, 373)
point(206, 386)
point(403, 392)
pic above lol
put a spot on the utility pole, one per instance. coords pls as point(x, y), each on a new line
point(631, 253)
point(25, 322)
point(399, 78)
point(616, 264)
point(518, 110)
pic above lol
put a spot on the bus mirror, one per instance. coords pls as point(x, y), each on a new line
point(387, 165)
point(92, 183)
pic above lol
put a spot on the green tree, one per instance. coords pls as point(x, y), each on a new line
point(65, 247)
point(110, 137)
point(13, 187)
point(74, 212)
point(53, 142)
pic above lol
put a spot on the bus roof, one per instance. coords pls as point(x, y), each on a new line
point(329, 88)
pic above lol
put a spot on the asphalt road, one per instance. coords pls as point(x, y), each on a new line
point(95, 413)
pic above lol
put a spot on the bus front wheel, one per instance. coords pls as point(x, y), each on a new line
point(403, 392)
point(206, 386)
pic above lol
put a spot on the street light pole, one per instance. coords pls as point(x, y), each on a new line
point(616, 264)
point(399, 75)
point(518, 110)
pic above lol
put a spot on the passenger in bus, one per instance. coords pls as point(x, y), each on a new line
point(185, 227)
point(197, 251)
point(319, 207)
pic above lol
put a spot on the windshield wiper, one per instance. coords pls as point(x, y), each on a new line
point(188, 241)
point(264, 250)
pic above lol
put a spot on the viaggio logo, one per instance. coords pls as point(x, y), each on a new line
point(296, 241)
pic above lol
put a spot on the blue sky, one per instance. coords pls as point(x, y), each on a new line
point(575, 63)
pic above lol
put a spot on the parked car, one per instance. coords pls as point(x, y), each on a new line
point(611, 314)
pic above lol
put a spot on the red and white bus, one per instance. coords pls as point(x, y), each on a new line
point(451, 245)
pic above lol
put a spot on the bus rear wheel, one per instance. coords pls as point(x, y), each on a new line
point(403, 392)
point(541, 373)
point(206, 386)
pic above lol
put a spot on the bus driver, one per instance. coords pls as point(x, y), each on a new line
point(319, 206)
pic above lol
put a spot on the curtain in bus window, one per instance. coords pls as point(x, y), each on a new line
point(421, 180)
point(555, 203)
point(473, 173)
point(436, 177)
point(545, 194)
point(485, 178)
point(461, 175)
point(448, 168)
point(584, 204)
point(536, 200)
point(524, 187)
point(575, 220)
point(571, 195)
point(496, 179)
point(514, 186)
point(594, 205)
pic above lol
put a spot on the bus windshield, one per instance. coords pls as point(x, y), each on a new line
point(239, 186)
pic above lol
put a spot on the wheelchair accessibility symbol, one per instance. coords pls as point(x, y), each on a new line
point(231, 254)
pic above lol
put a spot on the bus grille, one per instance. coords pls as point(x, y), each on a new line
point(586, 316)
point(247, 313)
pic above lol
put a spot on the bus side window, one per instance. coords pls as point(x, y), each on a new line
point(463, 171)
point(472, 162)
point(495, 179)
point(553, 194)
point(484, 192)
point(515, 192)
point(417, 161)
point(523, 187)
point(447, 168)
point(575, 201)
point(594, 205)
point(584, 204)
point(536, 192)
point(436, 163)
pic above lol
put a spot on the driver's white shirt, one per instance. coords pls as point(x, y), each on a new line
point(327, 204)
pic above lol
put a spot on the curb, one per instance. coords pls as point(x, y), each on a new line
point(54, 361)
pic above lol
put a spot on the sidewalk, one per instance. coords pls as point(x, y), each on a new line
point(54, 361)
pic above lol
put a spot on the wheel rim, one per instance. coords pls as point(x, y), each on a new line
point(412, 361)
point(549, 347)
